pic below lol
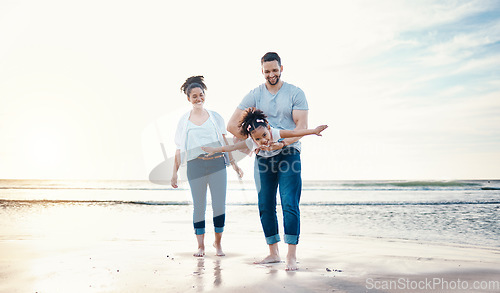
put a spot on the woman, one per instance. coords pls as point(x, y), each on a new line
point(196, 129)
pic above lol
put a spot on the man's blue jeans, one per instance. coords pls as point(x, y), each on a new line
point(281, 170)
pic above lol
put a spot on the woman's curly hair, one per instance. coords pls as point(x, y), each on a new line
point(193, 82)
point(252, 119)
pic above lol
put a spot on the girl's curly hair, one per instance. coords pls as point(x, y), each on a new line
point(193, 82)
point(252, 119)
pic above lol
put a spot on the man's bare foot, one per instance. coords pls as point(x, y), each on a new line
point(291, 258)
point(200, 252)
point(269, 259)
point(291, 263)
point(218, 248)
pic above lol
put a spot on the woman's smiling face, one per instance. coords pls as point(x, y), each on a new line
point(197, 97)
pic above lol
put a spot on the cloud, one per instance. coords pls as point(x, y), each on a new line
point(478, 66)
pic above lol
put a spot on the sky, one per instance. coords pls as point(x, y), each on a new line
point(410, 89)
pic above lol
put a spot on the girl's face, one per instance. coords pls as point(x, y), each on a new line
point(262, 136)
point(197, 97)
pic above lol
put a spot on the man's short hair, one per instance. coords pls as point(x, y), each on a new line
point(270, 56)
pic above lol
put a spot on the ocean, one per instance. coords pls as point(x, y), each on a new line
point(464, 212)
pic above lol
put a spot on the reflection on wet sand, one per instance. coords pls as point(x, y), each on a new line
point(202, 282)
point(217, 273)
point(208, 273)
point(198, 274)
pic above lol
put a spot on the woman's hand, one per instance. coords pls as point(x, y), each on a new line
point(209, 150)
point(173, 181)
point(319, 129)
point(238, 170)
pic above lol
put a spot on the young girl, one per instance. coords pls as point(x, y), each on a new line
point(261, 136)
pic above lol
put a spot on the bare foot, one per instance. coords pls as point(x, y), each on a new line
point(291, 263)
point(269, 259)
point(218, 248)
point(200, 252)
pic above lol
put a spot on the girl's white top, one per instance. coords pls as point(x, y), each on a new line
point(214, 121)
point(251, 145)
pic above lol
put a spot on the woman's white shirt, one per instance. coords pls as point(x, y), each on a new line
point(199, 136)
point(181, 139)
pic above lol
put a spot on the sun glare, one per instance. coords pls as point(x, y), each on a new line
point(44, 149)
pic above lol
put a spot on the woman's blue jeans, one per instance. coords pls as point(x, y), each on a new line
point(211, 173)
point(282, 170)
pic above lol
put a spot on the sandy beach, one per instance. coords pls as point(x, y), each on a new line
point(155, 255)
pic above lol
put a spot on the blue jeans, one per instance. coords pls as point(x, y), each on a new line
point(281, 170)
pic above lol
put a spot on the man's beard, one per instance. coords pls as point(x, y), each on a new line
point(277, 80)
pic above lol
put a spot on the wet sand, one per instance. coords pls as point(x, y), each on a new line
point(327, 264)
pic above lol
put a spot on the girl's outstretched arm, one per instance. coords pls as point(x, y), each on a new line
point(302, 132)
point(241, 145)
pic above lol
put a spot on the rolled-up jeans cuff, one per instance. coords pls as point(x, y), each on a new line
point(219, 229)
point(199, 231)
point(273, 239)
point(292, 239)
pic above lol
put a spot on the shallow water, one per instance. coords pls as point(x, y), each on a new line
point(448, 212)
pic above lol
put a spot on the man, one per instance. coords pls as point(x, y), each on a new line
point(279, 164)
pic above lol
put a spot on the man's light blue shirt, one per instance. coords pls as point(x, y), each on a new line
point(278, 108)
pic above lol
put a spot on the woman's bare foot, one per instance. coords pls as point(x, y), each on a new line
point(200, 252)
point(201, 246)
point(217, 245)
point(218, 249)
